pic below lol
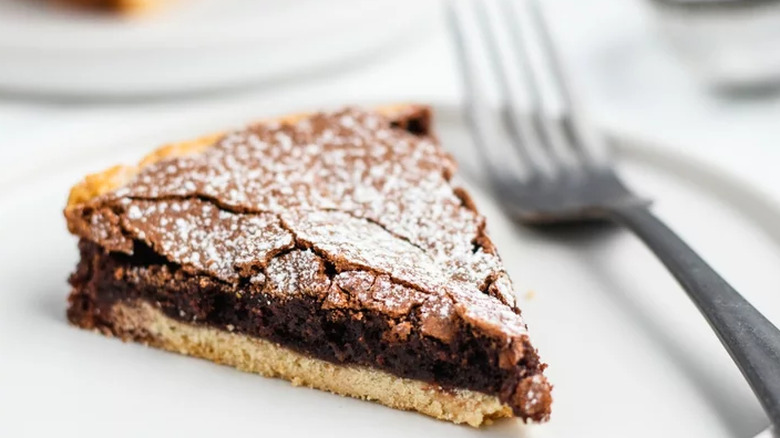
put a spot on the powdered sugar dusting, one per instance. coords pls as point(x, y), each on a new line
point(297, 272)
point(376, 292)
point(351, 241)
point(197, 234)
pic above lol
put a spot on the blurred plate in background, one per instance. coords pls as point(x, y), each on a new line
point(197, 45)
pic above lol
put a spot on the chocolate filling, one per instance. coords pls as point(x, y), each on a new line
point(341, 336)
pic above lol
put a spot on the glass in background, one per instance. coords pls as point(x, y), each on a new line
point(732, 44)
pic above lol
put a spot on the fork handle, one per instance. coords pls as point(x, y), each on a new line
point(751, 339)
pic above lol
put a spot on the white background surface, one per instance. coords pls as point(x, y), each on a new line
point(629, 82)
point(628, 352)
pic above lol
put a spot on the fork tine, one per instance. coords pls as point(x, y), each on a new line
point(519, 98)
point(526, 56)
point(574, 133)
point(484, 127)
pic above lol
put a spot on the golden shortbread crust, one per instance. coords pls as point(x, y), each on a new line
point(142, 322)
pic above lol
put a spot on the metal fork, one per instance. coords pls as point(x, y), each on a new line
point(556, 169)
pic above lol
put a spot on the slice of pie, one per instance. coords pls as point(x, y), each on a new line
point(329, 249)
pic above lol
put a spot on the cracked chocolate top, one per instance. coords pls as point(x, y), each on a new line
point(345, 206)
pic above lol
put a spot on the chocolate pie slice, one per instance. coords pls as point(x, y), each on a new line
point(329, 249)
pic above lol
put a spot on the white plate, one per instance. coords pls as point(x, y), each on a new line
point(629, 355)
point(197, 45)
